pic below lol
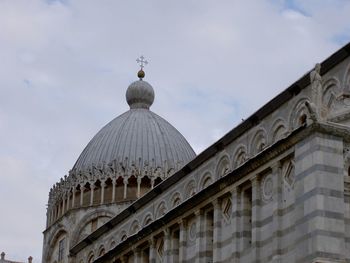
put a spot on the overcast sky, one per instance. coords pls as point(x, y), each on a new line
point(65, 66)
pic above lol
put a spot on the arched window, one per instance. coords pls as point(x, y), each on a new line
point(61, 249)
point(223, 167)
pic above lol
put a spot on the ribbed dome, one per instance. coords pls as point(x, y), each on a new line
point(137, 138)
point(138, 135)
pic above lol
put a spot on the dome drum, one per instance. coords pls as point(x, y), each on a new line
point(124, 160)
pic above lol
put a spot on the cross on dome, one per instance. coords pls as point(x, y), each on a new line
point(142, 62)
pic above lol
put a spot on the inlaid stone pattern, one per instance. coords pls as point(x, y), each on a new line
point(267, 188)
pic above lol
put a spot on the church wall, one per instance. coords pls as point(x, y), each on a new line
point(319, 188)
point(285, 205)
point(77, 220)
point(267, 223)
point(283, 226)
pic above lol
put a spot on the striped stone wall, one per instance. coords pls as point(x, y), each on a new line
point(319, 205)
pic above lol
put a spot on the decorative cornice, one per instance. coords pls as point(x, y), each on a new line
point(103, 171)
point(250, 165)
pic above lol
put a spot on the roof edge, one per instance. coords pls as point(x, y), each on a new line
point(252, 121)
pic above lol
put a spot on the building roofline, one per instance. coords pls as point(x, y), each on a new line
point(234, 176)
point(219, 145)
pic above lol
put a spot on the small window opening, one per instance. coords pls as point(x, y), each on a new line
point(302, 119)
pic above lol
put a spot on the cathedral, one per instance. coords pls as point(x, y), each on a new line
point(276, 188)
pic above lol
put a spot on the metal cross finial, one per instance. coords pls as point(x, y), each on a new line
point(142, 62)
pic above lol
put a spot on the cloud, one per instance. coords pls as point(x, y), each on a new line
point(66, 66)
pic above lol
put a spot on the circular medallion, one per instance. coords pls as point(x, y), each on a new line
point(192, 232)
point(267, 188)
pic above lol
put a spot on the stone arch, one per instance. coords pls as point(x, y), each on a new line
point(145, 185)
point(258, 142)
point(346, 80)
point(161, 210)
point(119, 188)
point(60, 230)
point(147, 219)
point(299, 114)
point(108, 190)
point(97, 191)
point(86, 193)
point(112, 243)
point(190, 189)
point(123, 236)
point(101, 251)
point(240, 156)
point(223, 166)
point(134, 227)
point(207, 179)
point(86, 220)
point(331, 91)
point(131, 190)
point(77, 193)
point(90, 257)
point(175, 199)
point(331, 83)
point(278, 130)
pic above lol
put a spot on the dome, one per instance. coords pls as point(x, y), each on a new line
point(138, 138)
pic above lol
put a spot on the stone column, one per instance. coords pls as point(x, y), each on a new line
point(137, 255)
point(175, 240)
point(245, 231)
point(68, 199)
point(59, 210)
point(52, 213)
point(167, 245)
point(138, 186)
point(152, 251)
point(200, 219)
point(82, 188)
point(52, 217)
point(92, 188)
point(277, 207)
point(256, 203)
point(183, 240)
point(47, 216)
point(113, 190)
point(63, 203)
point(73, 197)
point(103, 185)
point(125, 186)
point(217, 230)
point(236, 222)
point(56, 212)
point(319, 199)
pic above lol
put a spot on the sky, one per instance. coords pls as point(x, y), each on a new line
point(65, 66)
